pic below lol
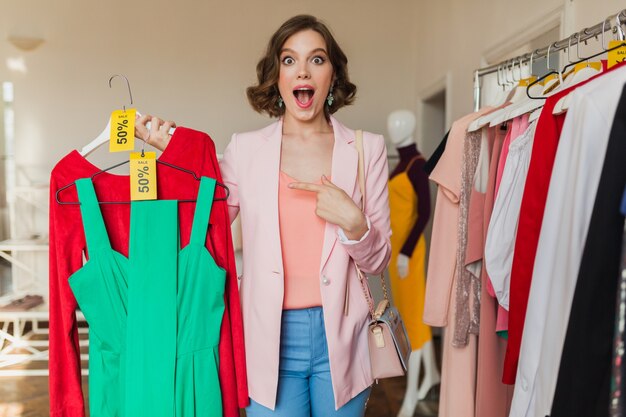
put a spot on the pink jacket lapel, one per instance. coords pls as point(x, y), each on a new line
point(344, 175)
point(268, 156)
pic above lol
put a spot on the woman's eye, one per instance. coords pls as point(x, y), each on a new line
point(288, 60)
point(318, 60)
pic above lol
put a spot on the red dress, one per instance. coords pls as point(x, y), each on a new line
point(188, 149)
point(533, 204)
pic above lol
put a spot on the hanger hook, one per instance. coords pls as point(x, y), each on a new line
point(130, 93)
point(618, 25)
point(586, 32)
point(531, 61)
point(569, 47)
point(513, 70)
point(578, 45)
point(603, 29)
point(506, 73)
point(548, 58)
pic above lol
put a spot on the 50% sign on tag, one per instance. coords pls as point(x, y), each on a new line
point(122, 136)
point(143, 181)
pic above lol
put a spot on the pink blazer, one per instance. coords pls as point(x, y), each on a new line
point(250, 169)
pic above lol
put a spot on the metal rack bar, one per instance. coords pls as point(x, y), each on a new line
point(611, 23)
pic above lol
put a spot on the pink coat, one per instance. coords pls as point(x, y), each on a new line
point(250, 169)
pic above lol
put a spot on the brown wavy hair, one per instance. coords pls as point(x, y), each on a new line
point(263, 97)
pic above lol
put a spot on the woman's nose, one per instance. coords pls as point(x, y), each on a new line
point(303, 73)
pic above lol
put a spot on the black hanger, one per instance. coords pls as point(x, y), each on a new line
point(621, 45)
point(128, 202)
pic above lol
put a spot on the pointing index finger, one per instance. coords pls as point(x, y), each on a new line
point(305, 186)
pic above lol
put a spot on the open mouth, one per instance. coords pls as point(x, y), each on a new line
point(304, 96)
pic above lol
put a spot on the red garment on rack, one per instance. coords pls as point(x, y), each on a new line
point(188, 149)
point(529, 226)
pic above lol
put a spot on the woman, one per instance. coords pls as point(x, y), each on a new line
point(295, 185)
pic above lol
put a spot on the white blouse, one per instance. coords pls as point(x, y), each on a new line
point(502, 230)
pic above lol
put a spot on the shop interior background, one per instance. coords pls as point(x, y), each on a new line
point(191, 62)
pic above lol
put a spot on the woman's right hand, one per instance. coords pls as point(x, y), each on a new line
point(158, 135)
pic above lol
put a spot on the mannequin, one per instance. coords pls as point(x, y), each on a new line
point(410, 210)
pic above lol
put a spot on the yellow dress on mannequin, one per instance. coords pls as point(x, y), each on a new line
point(408, 293)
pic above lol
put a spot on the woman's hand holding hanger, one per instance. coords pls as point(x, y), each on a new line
point(158, 133)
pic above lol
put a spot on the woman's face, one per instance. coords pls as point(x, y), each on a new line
point(305, 76)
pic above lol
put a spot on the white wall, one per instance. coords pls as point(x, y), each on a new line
point(191, 61)
point(588, 13)
point(188, 61)
point(456, 36)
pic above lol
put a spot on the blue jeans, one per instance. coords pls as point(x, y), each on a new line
point(304, 385)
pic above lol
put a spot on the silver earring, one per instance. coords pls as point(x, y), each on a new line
point(330, 99)
point(280, 102)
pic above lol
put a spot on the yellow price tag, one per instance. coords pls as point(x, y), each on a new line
point(122, 130)
point(595, 65)
point(548, 79)
point(616, 56)
point(143, 181)
point(525, 82)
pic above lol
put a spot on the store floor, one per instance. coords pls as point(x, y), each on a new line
point(28, 397)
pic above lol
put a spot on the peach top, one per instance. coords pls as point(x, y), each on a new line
point(301, 238)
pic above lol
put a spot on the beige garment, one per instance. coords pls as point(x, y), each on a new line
point(467, 286)
point(458, 378)
point(443, 245)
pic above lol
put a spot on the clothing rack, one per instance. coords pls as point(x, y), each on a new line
point(612, 23)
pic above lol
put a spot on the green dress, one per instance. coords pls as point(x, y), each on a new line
point(172, 303)
point(100, 287)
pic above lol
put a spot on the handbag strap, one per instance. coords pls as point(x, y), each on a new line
point(361, 179)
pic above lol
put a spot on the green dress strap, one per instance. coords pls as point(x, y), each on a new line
point(201, 284)
point(96, 235)
point(204, 203)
